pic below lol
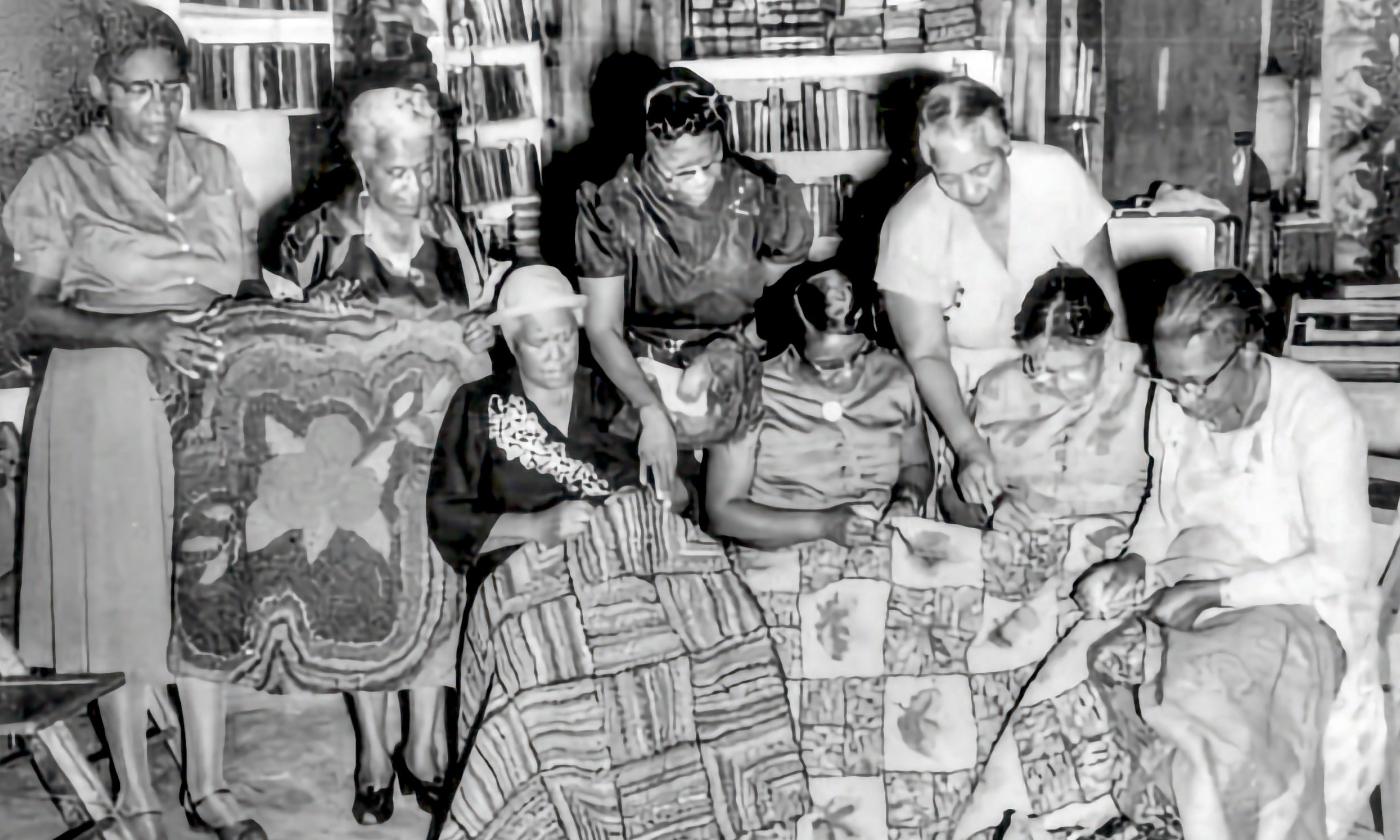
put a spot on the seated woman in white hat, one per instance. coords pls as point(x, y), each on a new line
point(521, 451)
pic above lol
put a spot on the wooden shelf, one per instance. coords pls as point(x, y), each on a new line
point(806, 167)
point(488, 133)
point(979, 64)
point(285, 112)
point(224, 25)
point(521, 53)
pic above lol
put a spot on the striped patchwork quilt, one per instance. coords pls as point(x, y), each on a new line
point(628, 688)
point(908, 664)
point(302, 558)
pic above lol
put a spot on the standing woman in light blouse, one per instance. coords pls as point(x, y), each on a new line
point(122, 236)
point(960, 251)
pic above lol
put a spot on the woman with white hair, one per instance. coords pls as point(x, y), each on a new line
point(390, 238)
point(960, 251)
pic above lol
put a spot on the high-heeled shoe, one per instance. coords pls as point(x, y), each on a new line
point(144, 825)
point(224, 829)
point(428, 794)
point(373, 806)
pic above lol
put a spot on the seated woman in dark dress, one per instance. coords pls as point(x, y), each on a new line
point(592, 605)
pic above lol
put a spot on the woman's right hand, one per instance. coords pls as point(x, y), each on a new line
point(977, 476)
point(174, 340)
point(656, 448)
point(1099, 590)
point(846, 527)
point(562, 522)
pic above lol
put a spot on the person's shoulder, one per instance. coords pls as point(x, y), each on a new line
point(205, 153)
point(1043, 154)
point(1305, 390)
point(621, 185)
point(923, 204)
point(779, 368)
point(79, 154)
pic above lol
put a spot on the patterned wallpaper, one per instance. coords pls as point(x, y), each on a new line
point(1361, 127)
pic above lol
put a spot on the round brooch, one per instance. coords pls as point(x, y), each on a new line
point(832, 411)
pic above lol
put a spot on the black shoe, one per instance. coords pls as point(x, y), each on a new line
point(428, 794)
point(224, 829)
point(374, 806)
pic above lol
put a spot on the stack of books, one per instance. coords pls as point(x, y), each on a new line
point(266, 5)
point(723, 27)
point(240, 77)
point(488, 174)
point(902, 26)
point(860, 27)
point(795, 26)
point(820, 120)
point(492, 22)
point(825, 199)
point(491, 92)
point(950, 23)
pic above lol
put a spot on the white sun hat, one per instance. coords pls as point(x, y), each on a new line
point(533, 289)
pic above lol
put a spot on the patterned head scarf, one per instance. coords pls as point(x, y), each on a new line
point(682, 104)
point(405, 113)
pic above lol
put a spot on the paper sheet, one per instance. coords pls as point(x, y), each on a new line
point(668, 383)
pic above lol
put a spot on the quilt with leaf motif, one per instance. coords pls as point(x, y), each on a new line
point(302, 558)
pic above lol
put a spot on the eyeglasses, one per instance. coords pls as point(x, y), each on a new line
point(143, 90)
point(685, 174)
point(1195, 389)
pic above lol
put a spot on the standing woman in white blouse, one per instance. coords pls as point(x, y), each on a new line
point(1257, 518)
point(959, 252)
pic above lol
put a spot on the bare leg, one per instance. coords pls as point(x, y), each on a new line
point(202, 702)
point(124, 724)
point(375, 766)
point(426, 750)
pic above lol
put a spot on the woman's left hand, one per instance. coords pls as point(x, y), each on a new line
point(1179, 606)
point(479, 335)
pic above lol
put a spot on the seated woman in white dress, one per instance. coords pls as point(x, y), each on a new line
point(1260, 712)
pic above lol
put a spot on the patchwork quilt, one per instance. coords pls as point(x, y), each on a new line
point(302, 559)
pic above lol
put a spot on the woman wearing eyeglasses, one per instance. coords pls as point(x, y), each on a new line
point(1064, 422)
point(1254, 548)
point(841, 449)
point(674, 253)
point(116, 234)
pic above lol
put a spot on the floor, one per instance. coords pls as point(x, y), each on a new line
point(289, 759)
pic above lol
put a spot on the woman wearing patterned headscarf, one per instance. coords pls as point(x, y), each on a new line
point(673, 254)
point(116, 234)
point(389, 237)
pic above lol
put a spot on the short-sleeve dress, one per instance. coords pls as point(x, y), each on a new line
point(932, 251)
point(95, 587)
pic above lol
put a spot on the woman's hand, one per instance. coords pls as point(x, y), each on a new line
point(846, 527)
point(1103, 586)
point(656, 449)
point(174, 340)
point(1179, 606)
point(562, 522)
point(478, 334)
point(977, 477)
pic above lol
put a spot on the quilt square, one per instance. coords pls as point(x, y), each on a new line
point(779, 570)
point(626, 625)
point(559, 621)
point(865, 714)
point(847, 807)
point(843, 629)
point(927, 554)
point(869, 561)
point(823, 748)
point(1018, 566)
point(567, 725)
point(929, 726)
point(667, 796)
point(1013, 634)
point(929, 630)
point(706, 609)
point(587, 805)
point(755, 779)
point(909, 800)
point(649, 709)
point(823, 701)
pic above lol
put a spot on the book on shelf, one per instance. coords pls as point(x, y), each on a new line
point(825, 199)
point(489, 174)
point(821, 119)
point(492, 22)
point(265, 5)
point(491, 92)
point(241, 77)
point(719, 28)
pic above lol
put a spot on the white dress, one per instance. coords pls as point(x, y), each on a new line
point(1293, 488)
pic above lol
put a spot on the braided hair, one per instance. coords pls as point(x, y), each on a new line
point(1220, 302)
point(684, 104)
point(1064, 304)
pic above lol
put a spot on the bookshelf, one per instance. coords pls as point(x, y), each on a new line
point(494, 66)
point(816, 157)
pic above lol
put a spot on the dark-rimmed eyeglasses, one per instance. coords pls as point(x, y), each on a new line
point(1194, 389)
point(169, 91)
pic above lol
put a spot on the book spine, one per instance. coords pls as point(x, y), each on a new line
point(242, 78)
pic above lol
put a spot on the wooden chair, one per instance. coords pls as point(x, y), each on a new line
point(35, 709)
point(1385, 539)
